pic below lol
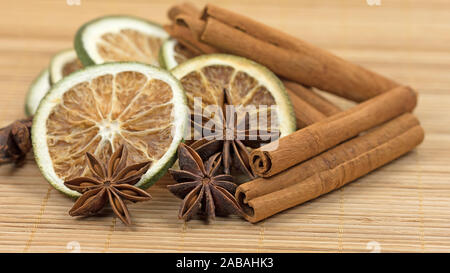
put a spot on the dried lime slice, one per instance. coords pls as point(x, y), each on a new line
point(119, 38)
point(63, 64)
point(101, 107)
point(173, 53)
point(38, 89)
point(247, 83)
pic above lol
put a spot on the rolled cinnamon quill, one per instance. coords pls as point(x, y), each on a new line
point(329, 159)
point(312, 98)
point(305, 113)
point(264, 197)
point(309, 107)
point(183, 34)
point(183, 8)
point(277, 156)
point(186, 18)
point(285, 55)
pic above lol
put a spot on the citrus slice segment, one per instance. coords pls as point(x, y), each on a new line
point(248, 84)
point(173, 53)
point(38, 89)
point(101, 107)
point(119, 38)
point(63, 64)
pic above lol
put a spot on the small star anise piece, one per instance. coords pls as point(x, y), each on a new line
point(113, 183)
point(201, 187)
point(233, 137)
point(15, 141)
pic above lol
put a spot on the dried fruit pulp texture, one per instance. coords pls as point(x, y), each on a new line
point(182, 54)
point(100, 115)
point(70, 67)
point(210, 82)
point(129, 45)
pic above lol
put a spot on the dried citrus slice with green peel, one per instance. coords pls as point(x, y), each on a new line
point(173, 53)
point(247, 83)
point(101, 107)
point(119, 38)
point(63, 64)
point(38, 89)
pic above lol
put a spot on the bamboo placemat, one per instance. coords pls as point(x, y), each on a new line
point(404, 206)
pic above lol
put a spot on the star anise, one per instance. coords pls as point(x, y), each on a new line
point(232, 136)
point(15, 141)
point(201, 187)
point(113, 183)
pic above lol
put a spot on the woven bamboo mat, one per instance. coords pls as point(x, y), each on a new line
point(404, 206)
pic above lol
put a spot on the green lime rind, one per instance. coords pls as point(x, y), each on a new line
point(158, 168)
point(37, 90)
point(58, 61)
point(83, 54)
point(259, 72)
point(161, 58)
point(166, 54)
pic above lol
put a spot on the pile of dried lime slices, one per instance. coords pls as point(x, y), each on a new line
point(122, 85)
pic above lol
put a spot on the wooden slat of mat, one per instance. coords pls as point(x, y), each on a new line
point(405, 206)
point(382, 207)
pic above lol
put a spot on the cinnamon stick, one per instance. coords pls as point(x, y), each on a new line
point(312, 98)
point(183, 34)
point(180, 30)
point(285, 55)
point(305, 114)
point(186, 18)
point(318, 137)
point(329, 159)
point(262, 197)
point(183, 8)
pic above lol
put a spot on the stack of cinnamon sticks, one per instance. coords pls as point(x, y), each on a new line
point(334, 147)
point(188, 23)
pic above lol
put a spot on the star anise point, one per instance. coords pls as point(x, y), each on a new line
point(111, 183)
point(200, 186)
point(231, 135)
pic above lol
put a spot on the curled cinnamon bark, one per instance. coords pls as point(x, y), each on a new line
point(182, 34)
point(309, 107)
point(312, 98)
point(305, 114)
point(312, 140)
point(186, 23)
point(183, 8)
point(285, 55)
point(186, 28)
point(264, 197)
